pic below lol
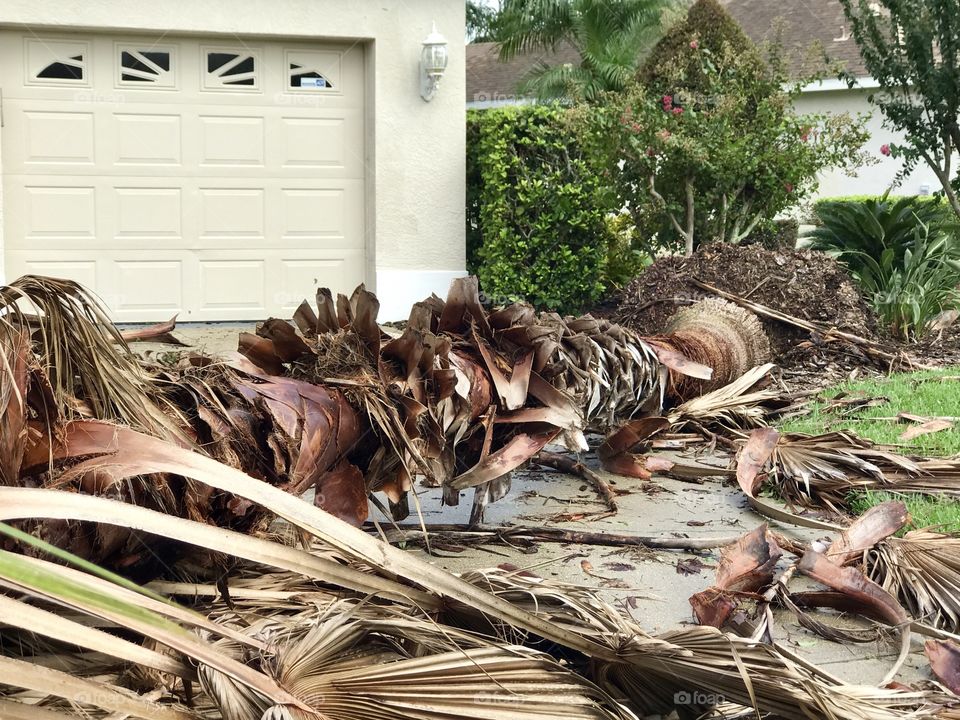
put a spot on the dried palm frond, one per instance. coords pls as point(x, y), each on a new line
point(349, 665)
point(922, 569)
point(90, 370)
point(743, 403)
point(818, 470)
point(944, 657)
point(747, 566)
point(651, 672)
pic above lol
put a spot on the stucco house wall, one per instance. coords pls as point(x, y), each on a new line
point(414, 199)
point(872, 179)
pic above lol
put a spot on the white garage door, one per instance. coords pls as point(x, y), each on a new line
point(220, 178)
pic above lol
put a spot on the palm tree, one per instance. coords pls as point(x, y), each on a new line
point(611, 37)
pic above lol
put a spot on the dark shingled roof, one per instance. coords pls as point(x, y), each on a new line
point(802, 23)
point(488, 79)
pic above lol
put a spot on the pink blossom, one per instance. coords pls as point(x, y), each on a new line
point(664, 135)
point(668, 99)
point(885, 150)
point(678, 111)
point(636, 127)
point(788, 187)
point(694, 44)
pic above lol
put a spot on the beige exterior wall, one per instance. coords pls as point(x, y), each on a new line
point(872, 179)
point(415, 164)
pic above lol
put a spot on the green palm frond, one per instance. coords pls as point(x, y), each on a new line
point(611, 38)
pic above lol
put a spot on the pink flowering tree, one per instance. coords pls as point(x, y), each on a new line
point(706, 142)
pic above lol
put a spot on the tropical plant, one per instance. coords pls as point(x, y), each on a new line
point(912, 49)
point(708, 136)
point(911, 291)
point(481, 21)
point(853, 229)
point(903, 253)
point(541, 209)
point(611, 37)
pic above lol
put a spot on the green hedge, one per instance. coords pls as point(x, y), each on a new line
point(536, 209)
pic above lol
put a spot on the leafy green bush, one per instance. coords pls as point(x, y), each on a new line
point(708, 138)
point(909, 293)
point(541, 209)
point(474, 201)
point(855, 231)
point(903, 252)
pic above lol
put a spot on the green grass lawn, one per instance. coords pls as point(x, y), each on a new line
point(931, 394)
point(943, 513)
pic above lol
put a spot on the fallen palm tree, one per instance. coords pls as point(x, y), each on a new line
point(356, 628)
point(463, 397)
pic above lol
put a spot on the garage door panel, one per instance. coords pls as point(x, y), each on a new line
point(231, 213)
point(233, 286)
point(170, 184)
point(44, 214)
point(231, 140)
point(302, 278)
point(81, 271)
point(147, 213)
point(58, 137)
point(145, 139)
point(324, 217)
point(164, 277)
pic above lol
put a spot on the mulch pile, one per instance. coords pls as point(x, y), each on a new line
point(802, 283)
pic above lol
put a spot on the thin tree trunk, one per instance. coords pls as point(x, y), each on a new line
point(690, 218)
point(686, 234)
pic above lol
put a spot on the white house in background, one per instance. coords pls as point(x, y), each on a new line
point(223, 159)
point(802, 22)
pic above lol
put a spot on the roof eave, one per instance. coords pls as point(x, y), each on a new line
point(833, 84)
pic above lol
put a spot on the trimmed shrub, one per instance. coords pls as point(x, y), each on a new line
point(538, 208)
point(706, 146)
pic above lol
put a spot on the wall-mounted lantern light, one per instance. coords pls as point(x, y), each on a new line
point(433, 63)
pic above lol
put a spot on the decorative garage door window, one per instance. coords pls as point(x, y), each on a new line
point(146, 67)
point(56, 62)
point(226, 69)
point(312, 71)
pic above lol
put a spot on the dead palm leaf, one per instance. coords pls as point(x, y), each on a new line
point(823, 470)
point(84, 356)
point(352, 665)
point(922, 569)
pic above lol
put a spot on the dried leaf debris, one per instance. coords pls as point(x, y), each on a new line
point(137, 467)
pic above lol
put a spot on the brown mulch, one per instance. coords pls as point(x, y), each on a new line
point(803, 283)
